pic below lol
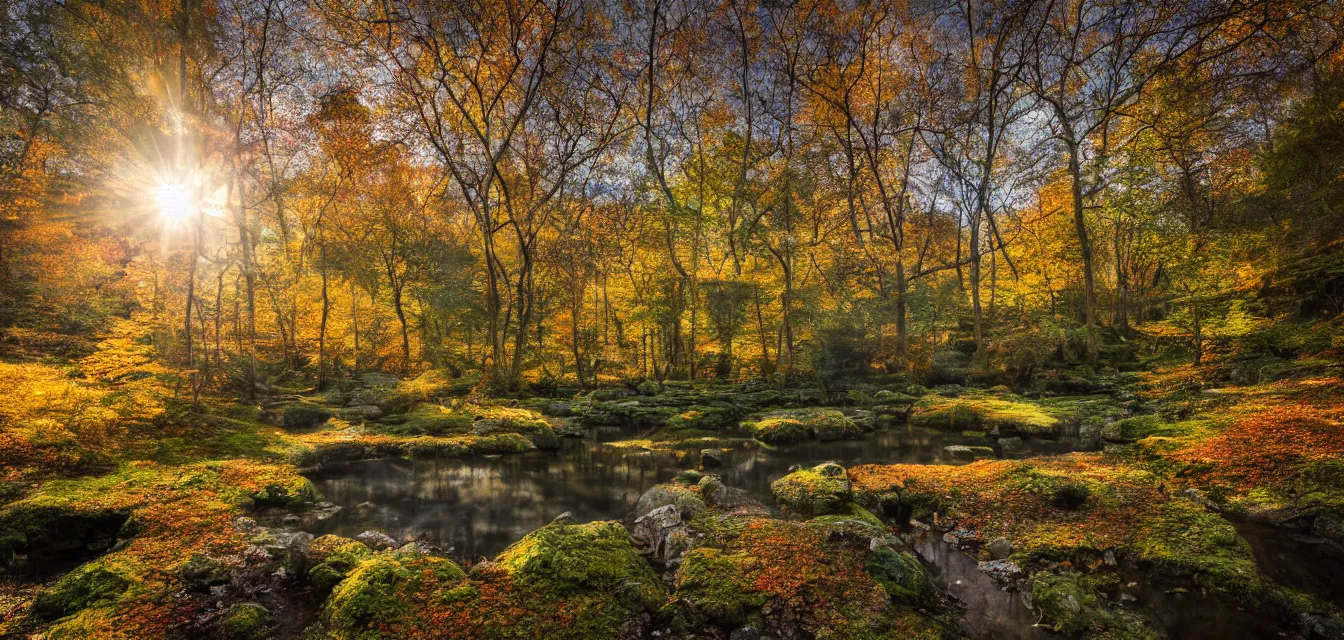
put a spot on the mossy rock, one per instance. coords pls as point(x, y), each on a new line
point(374, 594)
point(978, 412)
point(799, 425)
point(1133, 429)
point(304, 416)
point(496, 420)
point(780, 431)
point(901, 575)
point(1186, 541)
point(813, 492)
point(711, 586)
point(332, 558)
point(566, 560)
point(245, 621)
point(89, 585)
point(52, 529)
point(855, 519)
point(887, 397)
point(1065, 601)
point(428, 419)
point(1062, 491)
point(682, 494)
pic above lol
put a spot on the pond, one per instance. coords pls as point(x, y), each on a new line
point(479, 506)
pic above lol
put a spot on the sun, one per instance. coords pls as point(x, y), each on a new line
point(175, 202)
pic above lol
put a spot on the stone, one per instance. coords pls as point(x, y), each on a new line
point(304, 416)
point(1001, 570)
point(564, 518)
point(1012, 444)
point(655, 530)
point(377, 540)
point(830, 470)
point(686, 500)
point(1000, 548)
point(361, 412)
point(712, 490)
point(747, 632)
point(711, 458)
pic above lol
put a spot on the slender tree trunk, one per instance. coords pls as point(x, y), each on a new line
point(1085, 246)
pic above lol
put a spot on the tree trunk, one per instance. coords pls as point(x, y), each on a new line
point(1085, 246)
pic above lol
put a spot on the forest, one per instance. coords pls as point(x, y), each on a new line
point(651, 319)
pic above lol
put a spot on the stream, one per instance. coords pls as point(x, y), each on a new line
point(474, 508)
point(479, 506)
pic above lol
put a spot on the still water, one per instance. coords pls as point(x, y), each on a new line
point(478, 506)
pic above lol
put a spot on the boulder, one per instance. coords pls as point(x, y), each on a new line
point(360, 412)
point(711, 458)
point(663, 534)
point(304, 416)
point(377, 540)
point(821, 490)
point(687, 500)
point(1000, 548)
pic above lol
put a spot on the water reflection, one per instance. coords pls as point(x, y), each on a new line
point(478, 506)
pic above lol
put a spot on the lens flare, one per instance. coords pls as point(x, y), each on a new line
point(175, 202)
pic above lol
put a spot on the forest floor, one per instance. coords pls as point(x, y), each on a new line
point(127, 513)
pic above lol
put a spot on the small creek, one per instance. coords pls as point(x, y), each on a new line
point(474, 508)
point(479, 506)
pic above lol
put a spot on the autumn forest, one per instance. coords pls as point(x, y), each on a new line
point(707, 319)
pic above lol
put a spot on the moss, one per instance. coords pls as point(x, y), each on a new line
point(975, 412)
point(1065, 601)
point(1061, 490)
point(566, 560)
point(374, 594)
point(799, 425)
point(1186, 541)
point(712, 585)
point(245, 621)
point(333, 557)
point(900, 575)
point(813, 492)
point(89, 585)
point(855, 520)
point(431, 420)
point(886, 397)
point(780, 431)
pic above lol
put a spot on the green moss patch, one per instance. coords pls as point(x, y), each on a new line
point(821, 490)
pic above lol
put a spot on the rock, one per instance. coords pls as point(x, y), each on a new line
point(712, 490)
point(664, 534)
point(416, 547)
point(1000, 548)
point(830, 470)
point(377, 540)
point(245, 621)
point(648, 388)
point(202, 572)
point(747, 632)
point(1001, 570)
point(361, 412)
point(711, 458)
point(558, 409)
point(1089, 434)
point(1010, 445)
point(304, 416)
point(564, 518)
point(821, 490)
point(687, 501)
point(1108, 558)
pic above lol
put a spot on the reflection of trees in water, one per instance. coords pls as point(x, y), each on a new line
point(481, 505)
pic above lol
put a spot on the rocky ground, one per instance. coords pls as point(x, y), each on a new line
point(126, 513)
